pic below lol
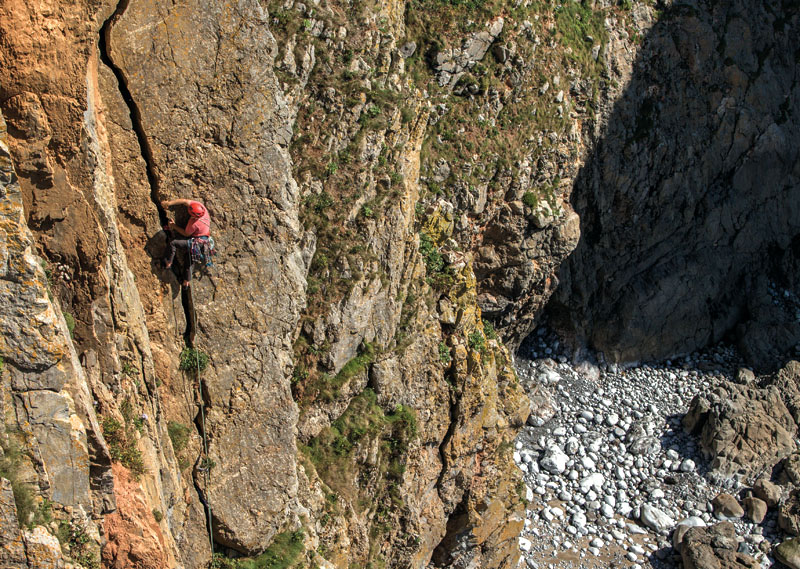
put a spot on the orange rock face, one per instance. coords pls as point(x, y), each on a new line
point(134, 537)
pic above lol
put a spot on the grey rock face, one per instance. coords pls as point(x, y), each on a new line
point(451, 63)
point(692, 194)
point(249, 309)
point(12, 548)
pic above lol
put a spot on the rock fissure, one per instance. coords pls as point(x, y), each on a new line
point(145, 148)
point(135, 113)
point(446, 441)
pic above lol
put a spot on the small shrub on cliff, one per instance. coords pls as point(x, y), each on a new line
point(10, 463)
point(68, 318)
point(121, 441)
point(477, 342)
point(444, 353)
point(193, 360)
point(158, 516)
point(439, 275)
point(530, 199)
point(75, 536)
point(488, 330)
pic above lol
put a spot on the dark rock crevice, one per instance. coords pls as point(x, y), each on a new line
point(135, 112)
point(146, 152)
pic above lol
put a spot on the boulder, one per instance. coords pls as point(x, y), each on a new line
point(726, 507)
point(43, 549)
point(554, 460)
point(655, 519)
point(714, 547)
point(683, 526)
point(755, 508)
point(788, 553)
point(767, 491)
point(743, 430)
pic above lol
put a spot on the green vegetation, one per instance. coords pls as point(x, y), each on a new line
point(75, 536)
point(193, 360)
point(68, 318)
point(158, 516)
point(489, 331)
point(522, 491)
point(364, 422)
point(129, 369)
point(121, 439)
point(477, 342)
point(530, 199)
point(179, 435)
point(10, 464)
point(580, 28)
point(440, 276)
point(285, 551)
point(308, 387)
point(43, 514)
point(444, 353)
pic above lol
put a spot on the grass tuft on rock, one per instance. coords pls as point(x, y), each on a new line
point(193, 360)
point(10, 464)
point(285, 551)
point(121, 439)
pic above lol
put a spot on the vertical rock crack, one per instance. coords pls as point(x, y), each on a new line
point(153, 181)
point(135, 114)
point(144, 147)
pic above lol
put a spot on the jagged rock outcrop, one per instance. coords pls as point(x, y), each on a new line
point(45, 403)
point(743, 430)
point(688, 202)
point(714, 547)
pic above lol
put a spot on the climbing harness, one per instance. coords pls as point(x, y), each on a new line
point(202, 250)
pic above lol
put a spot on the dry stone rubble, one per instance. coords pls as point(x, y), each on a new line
point(612, 474)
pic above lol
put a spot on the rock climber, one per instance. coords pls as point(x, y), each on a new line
point(198, 227)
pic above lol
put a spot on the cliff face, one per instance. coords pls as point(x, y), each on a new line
point(390, 187)
point(356, 406)
point(688, 203)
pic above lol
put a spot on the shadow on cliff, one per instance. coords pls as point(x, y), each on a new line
point(690, 198)
point(156, 248)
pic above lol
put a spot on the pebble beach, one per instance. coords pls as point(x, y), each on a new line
point(610, 472)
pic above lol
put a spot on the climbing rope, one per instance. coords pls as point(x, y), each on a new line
point(207, 465)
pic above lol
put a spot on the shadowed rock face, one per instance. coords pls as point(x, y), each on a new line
point(689, 202)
